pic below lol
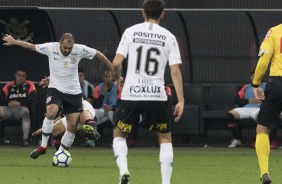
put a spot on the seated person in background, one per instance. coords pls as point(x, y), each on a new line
point(248, 108)
point(16, 99)
point(105, 98)
point(86, 87)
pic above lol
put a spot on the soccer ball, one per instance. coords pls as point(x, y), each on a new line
point(62, 158)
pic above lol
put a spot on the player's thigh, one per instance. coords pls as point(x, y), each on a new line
point(245, 112)
point(53, 102)
point(85, 115)
point(158, 116)
point(127, 114)
point(59, 127)
point(7, 113)
point(72, 120)
point(72, 103)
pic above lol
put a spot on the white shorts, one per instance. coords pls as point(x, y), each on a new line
point(86, 107)
point(246, 112)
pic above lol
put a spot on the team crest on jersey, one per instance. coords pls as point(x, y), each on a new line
point(18, 30)
point(73, 60)
point(12, 90)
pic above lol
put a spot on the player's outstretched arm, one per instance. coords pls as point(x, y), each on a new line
point(37, 132)
point(117, 67)
point(178, 85)
point(104, 59)
point(9, 40)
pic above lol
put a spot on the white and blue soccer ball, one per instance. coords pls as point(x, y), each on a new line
point(62, 158)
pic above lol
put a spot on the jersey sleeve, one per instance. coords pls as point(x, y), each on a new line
point(174, 53)
point(43, 48)
point(268, 43)
point(123, 46)
point(88, 52)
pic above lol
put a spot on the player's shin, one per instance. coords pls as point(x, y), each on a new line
point(47, 128)
point(120, 151)
point(67, 140)
point(166, 160)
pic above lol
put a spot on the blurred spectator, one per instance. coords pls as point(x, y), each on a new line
point(248, 108)
point(105, 98)
point(86, 87)
point(16, 99)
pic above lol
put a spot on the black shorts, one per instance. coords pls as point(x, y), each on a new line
point(157, 113)
point(69, 103)
point(270, 109)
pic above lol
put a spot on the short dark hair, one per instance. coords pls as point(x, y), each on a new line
point(67, 36)
point(153, 8)
point(80, 70)
point(22, 69)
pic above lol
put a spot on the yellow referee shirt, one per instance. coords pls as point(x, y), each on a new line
point(270, 49)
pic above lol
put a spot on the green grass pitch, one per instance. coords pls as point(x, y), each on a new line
point(97, 165)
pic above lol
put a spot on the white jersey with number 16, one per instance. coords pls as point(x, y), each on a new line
point(149, 47)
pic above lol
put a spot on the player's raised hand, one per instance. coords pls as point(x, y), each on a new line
point(178, 111)
point(8, 40)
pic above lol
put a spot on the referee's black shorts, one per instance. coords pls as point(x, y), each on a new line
point(270, 109)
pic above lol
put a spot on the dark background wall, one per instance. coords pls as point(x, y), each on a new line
point(136, 3)
point(217, 46)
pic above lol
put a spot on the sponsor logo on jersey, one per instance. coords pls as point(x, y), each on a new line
point(84, 50)
point(149, 35)
point(124, 127)
point(161, 126)
point(145, 89)
point(148, 41)
point(43, 48)
point(17, 96)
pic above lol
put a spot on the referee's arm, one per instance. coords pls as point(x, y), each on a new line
point(261, 68)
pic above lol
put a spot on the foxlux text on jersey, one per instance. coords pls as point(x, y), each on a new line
point(145, 89)
point(149, 35)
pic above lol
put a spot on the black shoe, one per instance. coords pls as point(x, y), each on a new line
point(39, 151)
point(265, 179)
point(125, 179)
point(25, 143)
point(90, 132)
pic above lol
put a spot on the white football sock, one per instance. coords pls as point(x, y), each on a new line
point(120, 152)
point(67, 140)
point(166, 159)
point(47, 128)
